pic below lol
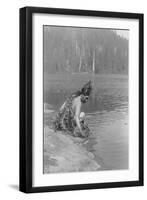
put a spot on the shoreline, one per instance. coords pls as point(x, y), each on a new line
point(65, 153)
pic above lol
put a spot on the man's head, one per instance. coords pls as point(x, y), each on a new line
point(87, 88)
point(84, 98)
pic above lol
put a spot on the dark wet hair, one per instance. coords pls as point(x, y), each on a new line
point(86, 90)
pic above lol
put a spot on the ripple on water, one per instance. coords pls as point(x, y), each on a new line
point(109, 139)
point(107, 116)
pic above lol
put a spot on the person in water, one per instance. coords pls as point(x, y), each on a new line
point(68, 117)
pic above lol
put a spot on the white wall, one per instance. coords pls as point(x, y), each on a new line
point(9, 118)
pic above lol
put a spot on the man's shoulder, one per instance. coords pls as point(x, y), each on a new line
point(78, 99)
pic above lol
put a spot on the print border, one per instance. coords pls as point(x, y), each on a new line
point(26, 97)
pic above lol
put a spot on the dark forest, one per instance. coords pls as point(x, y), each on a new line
point(75, 50)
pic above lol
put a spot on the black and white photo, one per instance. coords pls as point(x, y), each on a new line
point(81, 99)
point(85, 99)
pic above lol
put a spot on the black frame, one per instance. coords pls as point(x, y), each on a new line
point(25, 164)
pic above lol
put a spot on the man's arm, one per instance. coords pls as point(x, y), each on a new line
point(77, 113)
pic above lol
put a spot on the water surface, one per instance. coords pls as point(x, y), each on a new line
point(107, 116)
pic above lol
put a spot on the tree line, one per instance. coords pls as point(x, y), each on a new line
point(74, 50)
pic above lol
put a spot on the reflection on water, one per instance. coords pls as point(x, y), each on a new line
point(101, 99)
point(109, 139)
point(107, 116)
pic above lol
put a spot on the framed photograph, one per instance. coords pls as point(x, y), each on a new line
point(81, 99)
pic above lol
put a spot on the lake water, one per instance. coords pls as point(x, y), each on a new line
point(107, 117)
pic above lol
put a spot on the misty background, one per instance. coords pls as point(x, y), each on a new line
point(74, 50)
